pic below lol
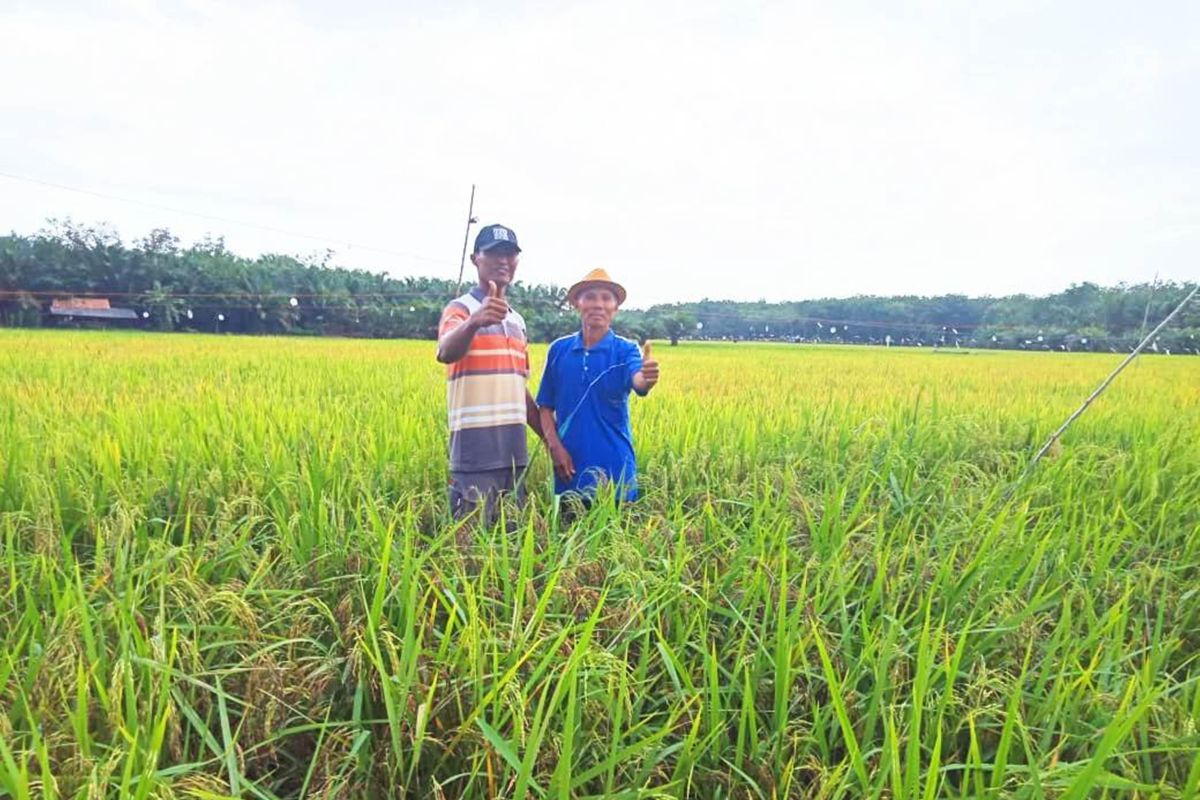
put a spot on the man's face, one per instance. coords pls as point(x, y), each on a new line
point(597, 307)
point(498, 264)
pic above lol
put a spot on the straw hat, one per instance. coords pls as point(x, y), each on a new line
point(597, 277)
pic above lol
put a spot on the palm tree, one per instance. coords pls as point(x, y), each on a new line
point(165, 309)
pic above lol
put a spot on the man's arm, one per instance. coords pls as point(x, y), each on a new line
point(564, 467)
point(533, 417)
point(455, 344)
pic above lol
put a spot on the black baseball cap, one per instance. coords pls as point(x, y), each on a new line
point(490, 236)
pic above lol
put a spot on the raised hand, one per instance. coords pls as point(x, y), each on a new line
point(493, 309)
point(649, 367)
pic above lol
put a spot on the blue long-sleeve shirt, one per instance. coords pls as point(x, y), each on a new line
point(588, 388)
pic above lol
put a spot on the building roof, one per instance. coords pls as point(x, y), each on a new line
point(89, 308)
point(95, 313)
point(80, 302)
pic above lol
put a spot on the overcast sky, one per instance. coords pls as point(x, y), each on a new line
point(738, 150)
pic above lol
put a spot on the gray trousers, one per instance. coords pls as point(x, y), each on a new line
point(473, 491)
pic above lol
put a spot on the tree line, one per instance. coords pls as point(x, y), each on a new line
point(205, 287)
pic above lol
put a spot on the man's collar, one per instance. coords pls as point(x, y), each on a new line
point(577, 342)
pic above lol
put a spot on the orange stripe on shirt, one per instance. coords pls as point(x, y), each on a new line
point(490, 364)
point(496, 341)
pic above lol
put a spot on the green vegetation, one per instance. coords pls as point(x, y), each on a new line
point(206, 288)
point(226, 569)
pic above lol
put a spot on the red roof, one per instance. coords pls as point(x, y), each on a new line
point(80, 304)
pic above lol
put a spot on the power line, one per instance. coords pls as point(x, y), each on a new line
point(227, 220)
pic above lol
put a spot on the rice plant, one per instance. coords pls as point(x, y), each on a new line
point(227, 570)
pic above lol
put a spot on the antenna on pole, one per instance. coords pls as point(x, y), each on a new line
point(471, 220)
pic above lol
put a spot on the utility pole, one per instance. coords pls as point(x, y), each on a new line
point(471, 220)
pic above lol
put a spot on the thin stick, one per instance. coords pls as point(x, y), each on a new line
point(1100, 389)
point(462, 261)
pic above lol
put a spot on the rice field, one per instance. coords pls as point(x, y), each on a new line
point(227, 570)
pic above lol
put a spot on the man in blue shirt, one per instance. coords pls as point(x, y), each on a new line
point(584, 395)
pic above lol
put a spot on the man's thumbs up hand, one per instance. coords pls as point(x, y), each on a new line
point(493, 309)
point(649, 367)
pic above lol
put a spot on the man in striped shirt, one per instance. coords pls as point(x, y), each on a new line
point(483, 341)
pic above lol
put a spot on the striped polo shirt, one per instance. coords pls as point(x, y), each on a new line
point(485, 391)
